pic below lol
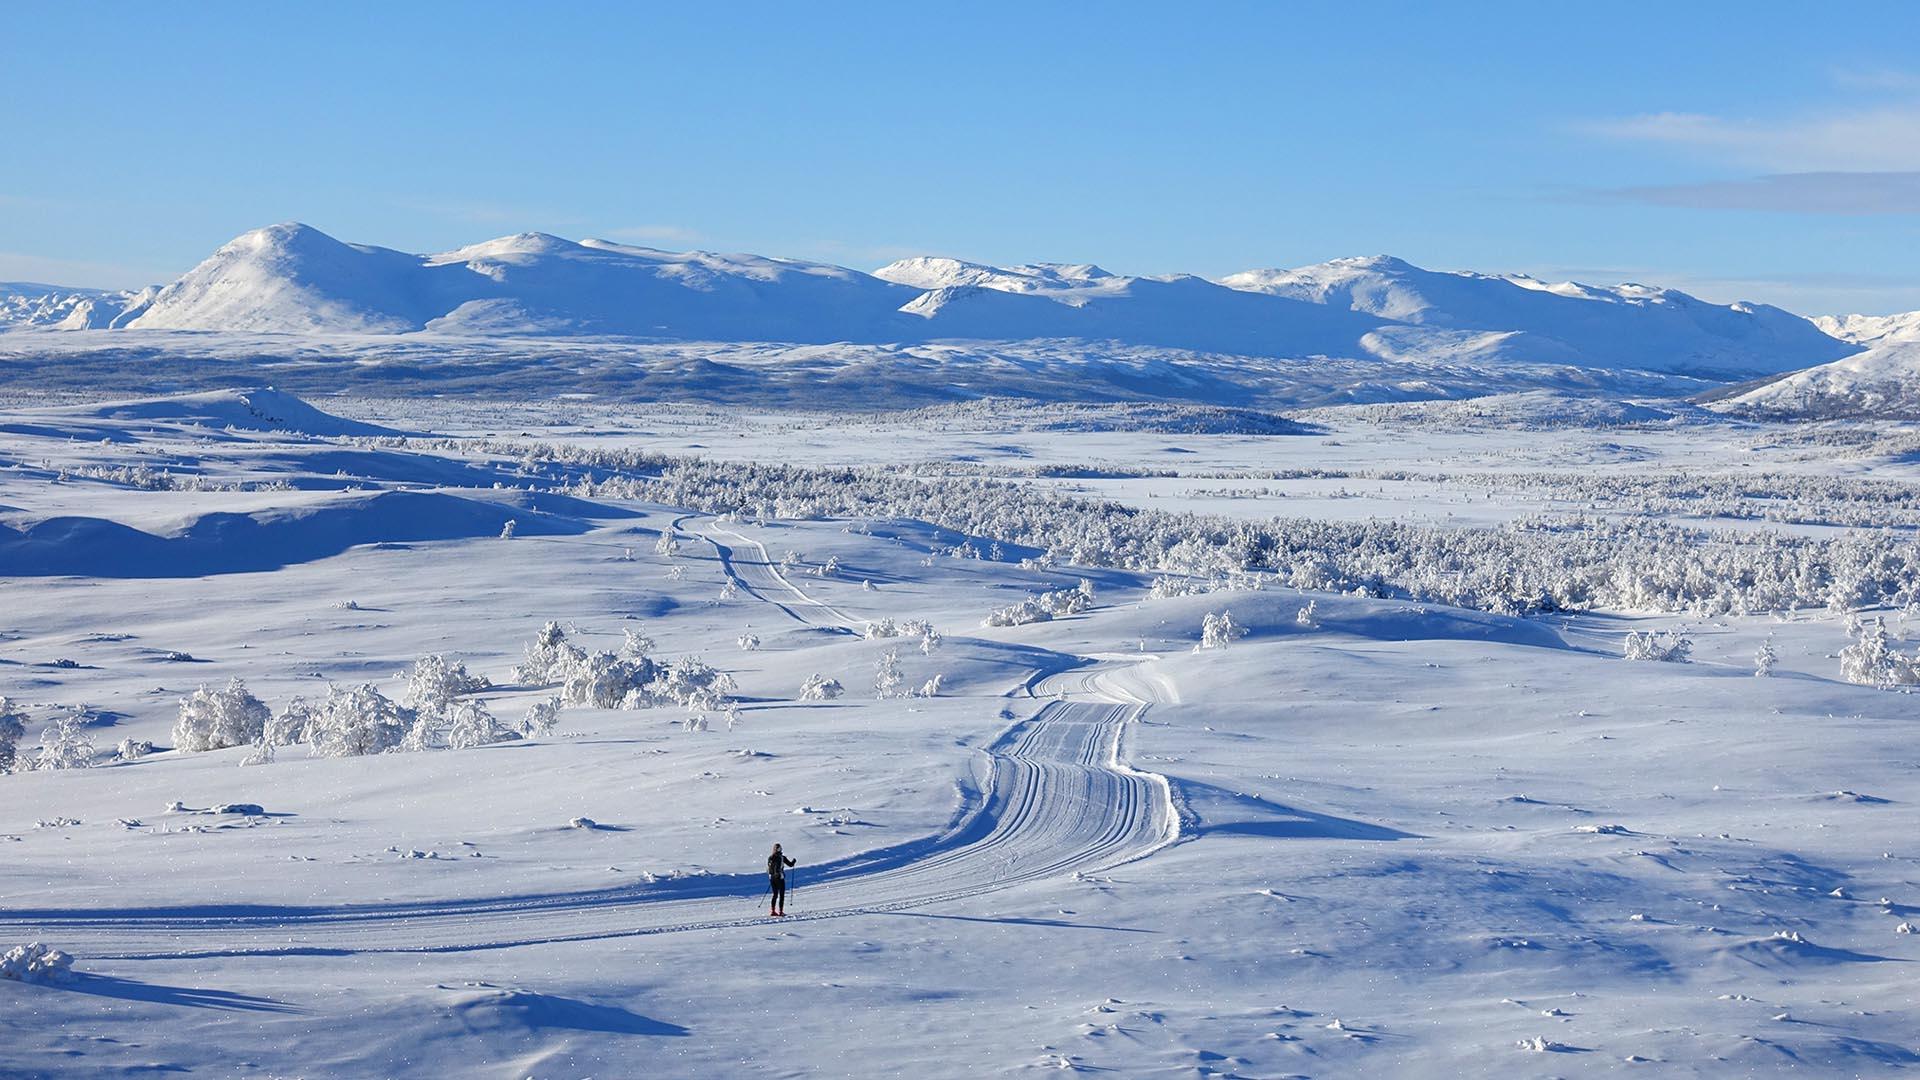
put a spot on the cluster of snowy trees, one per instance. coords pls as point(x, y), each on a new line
point(1538, 564)
point(1044, 607)
point(1217, 631)
point(1871, 659)
point(930, 638)
point(627, 679)
point(64, 742)
point(1658, 645)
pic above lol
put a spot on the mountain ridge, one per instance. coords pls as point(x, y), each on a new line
point(294, 279)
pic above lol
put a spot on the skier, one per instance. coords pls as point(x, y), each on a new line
point(777, 878)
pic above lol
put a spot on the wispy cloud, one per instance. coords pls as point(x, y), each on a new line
point(1881, 139)
point(1800, 193)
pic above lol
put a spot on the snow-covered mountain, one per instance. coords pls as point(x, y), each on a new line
point(292, 279)
point(1629, 325)
point(1871, 330)
point(30, 303)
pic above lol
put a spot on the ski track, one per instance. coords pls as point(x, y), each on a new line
point(1058, 800)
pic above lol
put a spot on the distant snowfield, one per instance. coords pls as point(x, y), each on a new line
point(1407, 838)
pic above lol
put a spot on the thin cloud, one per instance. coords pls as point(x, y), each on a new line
point(1795, 193)
point(1881, 139)
point(79, 274)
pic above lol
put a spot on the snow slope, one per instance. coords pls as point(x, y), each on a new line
point(1412, 839)
point(28, 303)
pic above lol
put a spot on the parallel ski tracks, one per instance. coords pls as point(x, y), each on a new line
point(1057, 800)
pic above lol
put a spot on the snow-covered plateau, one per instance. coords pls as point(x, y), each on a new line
point(1539, 734)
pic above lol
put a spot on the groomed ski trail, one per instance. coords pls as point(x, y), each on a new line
point(1057, 799)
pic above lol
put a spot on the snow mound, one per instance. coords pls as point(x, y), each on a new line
point(257, 409)
point(227, 543)
point(509, 1011)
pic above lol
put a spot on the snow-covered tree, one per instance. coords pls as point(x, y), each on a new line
point(887, 677)
point(217, 719)
point(1308, 616)
point(820, 688)
point(1020, 614)
point(749, 642)
point(635, 645)
point(506, 531)
point(471, 724)
point(930, 640)
point(542, 718)
point(13, 727)
point(357, 721)
point(1217, 631)
point(729, 589)
point(605, 680)
point(1664, 646)
point(291, 724)
point(930, 688)
point(132, 749)
point(667, 547)
point(261, 754)
point(828, 568)
point(64, 742)
point(1764, 658)
point(434, 684)
point(551, 658)
point(1871, 660)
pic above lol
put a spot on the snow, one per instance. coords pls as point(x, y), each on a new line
point(1392, 838)
point(1882, 382)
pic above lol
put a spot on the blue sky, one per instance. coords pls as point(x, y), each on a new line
point(1737, 150)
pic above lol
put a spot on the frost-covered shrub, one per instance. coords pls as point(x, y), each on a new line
point(827, 569)
point(749, 642)
point(217, 719)
point(634, 644)
point(506, 531)
point(1219, 631)
point(1873, 661)
point(729, 589)
point(887, 676)
point(551, 658)
point(605, 680)
point(1763, 659)
point(261, 754)
point(292, 724)
point(433, 684)
point(350, 723)
point(542, 718)
point(1020, 614)
point(1061, 602)
point(1166, 588)
point(471, 725)
point(13, 727)
point(692, 682)
point(820, 688)
point(930, 688)
point(64, 743)
point(132, 749)
point(35, 963)
point(930, 640)
point(1308, 616)
point(1661, 645)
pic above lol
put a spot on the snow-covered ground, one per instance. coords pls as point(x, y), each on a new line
point(1380, 837)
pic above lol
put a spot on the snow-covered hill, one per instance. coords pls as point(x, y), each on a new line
point(292, 279)
point(1629, 325)
point(1882, 382)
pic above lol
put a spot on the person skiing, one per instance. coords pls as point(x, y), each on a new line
point(777, 879)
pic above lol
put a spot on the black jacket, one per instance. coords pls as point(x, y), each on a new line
point(775, 869)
